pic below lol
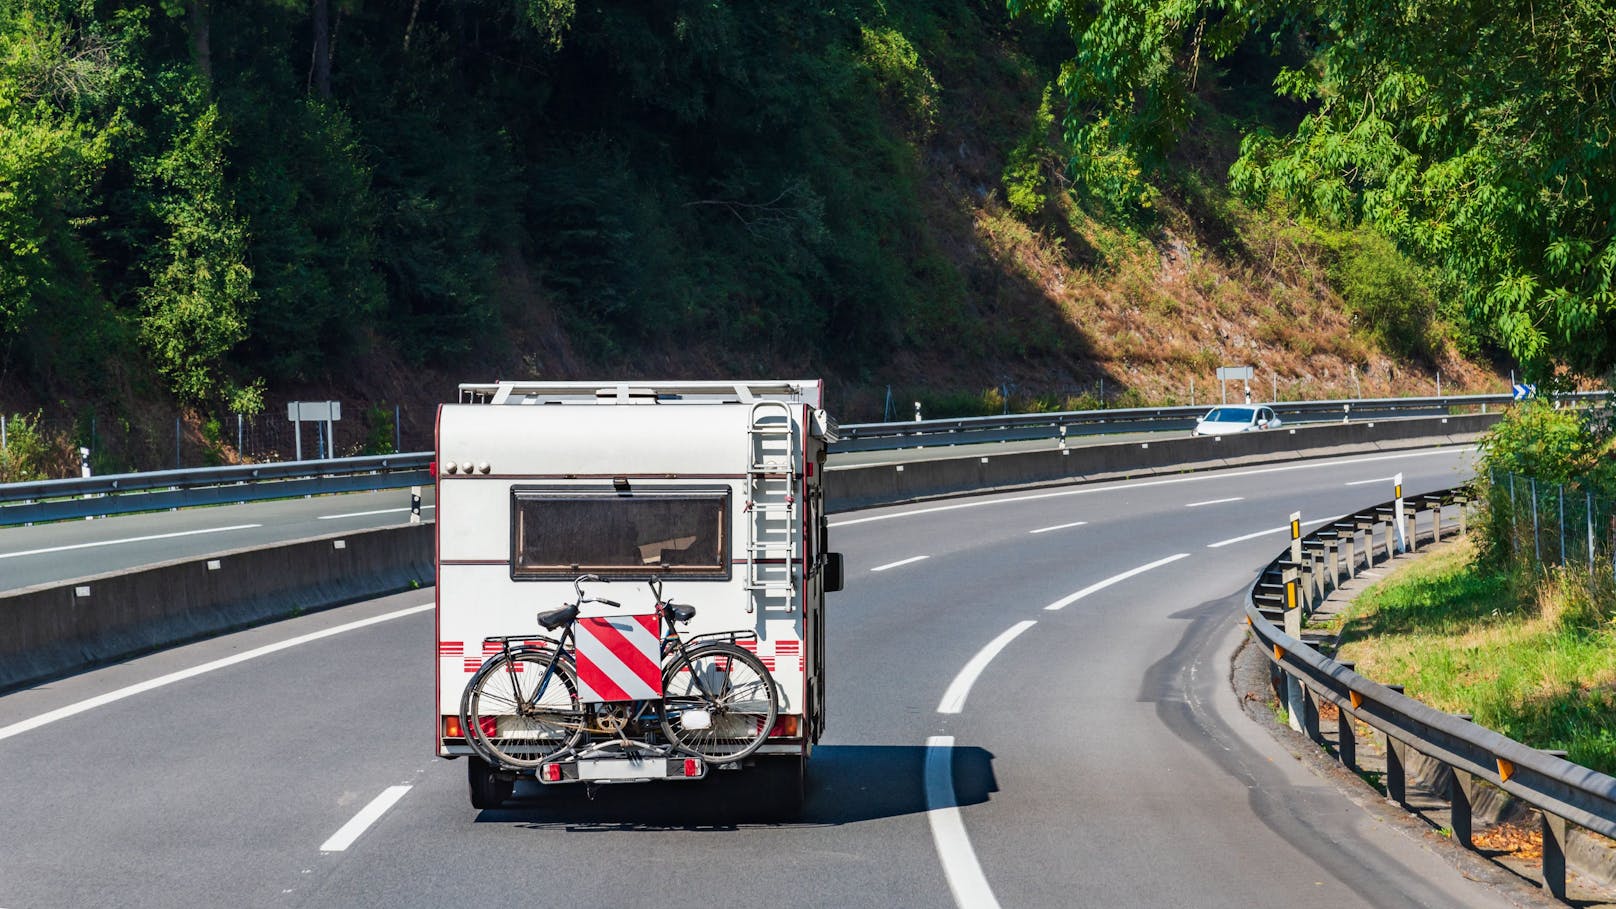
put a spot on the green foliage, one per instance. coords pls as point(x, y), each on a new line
point(1538, 440)
point(902, 77)
point(195, 307)
point(379, 430)
point(1475, 137)
point(25, 453)
point(1025, 180)
point(1389, 297)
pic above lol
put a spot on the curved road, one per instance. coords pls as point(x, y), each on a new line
point(984, 748)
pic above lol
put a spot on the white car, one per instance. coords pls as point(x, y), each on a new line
point(1222, 421)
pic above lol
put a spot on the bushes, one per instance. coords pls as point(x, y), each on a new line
point(25, 453)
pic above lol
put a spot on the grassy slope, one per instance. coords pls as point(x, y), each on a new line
point(1539, 667)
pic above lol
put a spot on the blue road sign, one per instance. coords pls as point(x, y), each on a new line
point(1525, 391)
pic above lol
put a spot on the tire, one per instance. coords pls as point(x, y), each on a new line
point(506, 724)
point(735, 690)
point(488, 788)
point(783, 785)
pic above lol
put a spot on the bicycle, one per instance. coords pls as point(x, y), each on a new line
point(718, 701)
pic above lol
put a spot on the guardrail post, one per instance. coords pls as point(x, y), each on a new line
point(1310, 714)
point(1460, 816)
point(1554, 860)
point(1396, 783)
point(1346, 738)
point(1396, 779)
point(1295, 702)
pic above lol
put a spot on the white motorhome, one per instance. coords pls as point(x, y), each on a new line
point(712, 488)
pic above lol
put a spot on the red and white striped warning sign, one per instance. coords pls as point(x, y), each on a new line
point(619, 658)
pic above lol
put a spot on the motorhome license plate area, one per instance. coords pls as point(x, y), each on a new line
point(622, 769)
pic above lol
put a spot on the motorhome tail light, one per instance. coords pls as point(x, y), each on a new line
point(552, 773)
point(451, 728)
point(692, 767)
point(785, 727)
point(432, 469)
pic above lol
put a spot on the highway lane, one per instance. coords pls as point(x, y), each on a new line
point(1099, 759)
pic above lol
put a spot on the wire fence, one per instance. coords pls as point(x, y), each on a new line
point(1550, 523)
point(124, 442)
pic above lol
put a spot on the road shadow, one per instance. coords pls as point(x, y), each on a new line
point(846, 784)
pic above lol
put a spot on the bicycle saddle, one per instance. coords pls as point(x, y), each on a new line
point(555, 618)
point(679, 612)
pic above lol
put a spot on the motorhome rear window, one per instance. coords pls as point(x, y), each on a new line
point(562, 533)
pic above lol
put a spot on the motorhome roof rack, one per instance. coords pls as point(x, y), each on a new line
point(804, 391)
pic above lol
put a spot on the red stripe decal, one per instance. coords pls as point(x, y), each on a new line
point(473, 665)
point(601, 683)
point(621, 647)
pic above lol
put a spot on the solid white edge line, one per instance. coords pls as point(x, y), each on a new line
point(1367, 482)
point(960, 867)
point(1065, 601)
point(1214, 502)
point(102, 700)
point(366, 514)
point(1252, 536)
point(1058, 527)
point(954, 698)
point(361, 822)
point(909, 561)
point(155, 536)
point(1208, 475)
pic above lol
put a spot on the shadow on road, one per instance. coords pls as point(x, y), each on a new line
point(846, 784)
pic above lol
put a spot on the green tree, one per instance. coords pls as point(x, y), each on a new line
point(201, 287)
point(1477, 136)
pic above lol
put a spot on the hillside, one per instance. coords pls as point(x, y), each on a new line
point(219, 208)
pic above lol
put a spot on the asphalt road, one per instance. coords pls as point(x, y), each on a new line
point(65, 550)
point(1099, 758)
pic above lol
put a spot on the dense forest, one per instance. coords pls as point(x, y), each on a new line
point(220, 206)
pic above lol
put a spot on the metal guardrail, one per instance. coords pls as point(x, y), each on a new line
point(1289, 588)
point(126, 493)
point(1032, 426)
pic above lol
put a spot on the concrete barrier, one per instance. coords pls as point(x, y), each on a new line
point(49, 631)
point(891, 484)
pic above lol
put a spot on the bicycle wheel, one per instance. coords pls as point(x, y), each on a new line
point(510, 721)
point(719, 703)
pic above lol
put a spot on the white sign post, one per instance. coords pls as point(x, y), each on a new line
point(327, 412)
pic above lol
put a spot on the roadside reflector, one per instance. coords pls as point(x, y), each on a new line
point(1357, 700)
point(1279, 653)
point(692, 767)
point(552, 773)
point(1506, 769)
point(451, 728)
